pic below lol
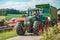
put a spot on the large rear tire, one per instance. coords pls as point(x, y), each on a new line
point(35, 27)
point(19, 29)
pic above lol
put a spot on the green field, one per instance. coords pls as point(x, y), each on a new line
point(6, 35)
point(9, 16)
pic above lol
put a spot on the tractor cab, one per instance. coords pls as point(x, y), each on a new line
point(36, 14)
point(36, 11)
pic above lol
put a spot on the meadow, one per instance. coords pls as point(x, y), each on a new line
point(8, 34)
point(10, 16)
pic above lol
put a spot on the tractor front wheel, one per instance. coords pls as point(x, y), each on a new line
point(19, 29)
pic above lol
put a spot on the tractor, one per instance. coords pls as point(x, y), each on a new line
point(34, 22)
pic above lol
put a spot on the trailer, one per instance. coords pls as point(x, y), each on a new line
point(50, 12)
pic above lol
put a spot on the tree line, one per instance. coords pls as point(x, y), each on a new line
point(4, 12)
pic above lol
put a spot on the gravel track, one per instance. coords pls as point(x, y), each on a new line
point(26, 37)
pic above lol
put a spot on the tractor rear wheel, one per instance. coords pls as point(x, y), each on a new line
point(35, 27)
point(19, 29)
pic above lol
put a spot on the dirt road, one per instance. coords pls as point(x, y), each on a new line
point(26, 37)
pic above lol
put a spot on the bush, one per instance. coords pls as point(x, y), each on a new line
point(51, 34)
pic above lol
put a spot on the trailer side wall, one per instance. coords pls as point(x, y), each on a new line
point(53, 13)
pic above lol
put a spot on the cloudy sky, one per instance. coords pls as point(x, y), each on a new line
point(25, 4)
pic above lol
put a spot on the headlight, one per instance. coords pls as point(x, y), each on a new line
point(49, 18)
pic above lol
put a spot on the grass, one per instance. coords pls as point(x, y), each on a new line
point(6, 35)
point(9, 16)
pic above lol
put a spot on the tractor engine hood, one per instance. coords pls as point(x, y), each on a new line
point(27, 20)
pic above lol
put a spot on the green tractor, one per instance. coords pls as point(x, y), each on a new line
point(33, 22)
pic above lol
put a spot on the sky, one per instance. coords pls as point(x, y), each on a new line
point(25, 4)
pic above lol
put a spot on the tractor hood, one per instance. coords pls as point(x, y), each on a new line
point(28, 20)
point(29, 17)
point(24, 18)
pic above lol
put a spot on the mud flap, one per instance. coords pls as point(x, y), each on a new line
point(46, 25)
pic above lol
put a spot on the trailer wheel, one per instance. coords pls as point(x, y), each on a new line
point(19, 29)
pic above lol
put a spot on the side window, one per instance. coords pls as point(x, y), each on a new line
point(33, 12)
point(29, 13)
point(41, 12)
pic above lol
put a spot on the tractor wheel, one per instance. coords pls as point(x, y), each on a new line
point(35, 27)
point(19, 29)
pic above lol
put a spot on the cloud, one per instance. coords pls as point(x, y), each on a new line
point(18, 5)
point(15, 0)
point(25, 5)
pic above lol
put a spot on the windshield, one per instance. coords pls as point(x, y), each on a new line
point(33, 12)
